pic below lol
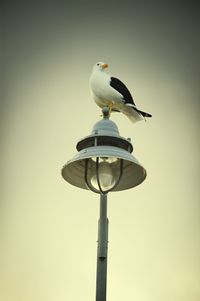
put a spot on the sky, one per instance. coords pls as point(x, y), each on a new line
point(48, 228)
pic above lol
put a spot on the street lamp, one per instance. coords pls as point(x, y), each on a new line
point(103, 164)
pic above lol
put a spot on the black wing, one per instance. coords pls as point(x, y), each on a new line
point(122, 89)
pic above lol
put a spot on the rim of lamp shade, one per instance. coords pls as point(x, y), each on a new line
point(133, 172)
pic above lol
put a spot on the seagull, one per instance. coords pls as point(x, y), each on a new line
point(109, 91)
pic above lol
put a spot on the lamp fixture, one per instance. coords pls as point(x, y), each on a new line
point(104, 162)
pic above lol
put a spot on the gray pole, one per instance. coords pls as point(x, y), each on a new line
point(102, 250)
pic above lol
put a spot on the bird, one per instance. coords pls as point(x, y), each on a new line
point(111, 92)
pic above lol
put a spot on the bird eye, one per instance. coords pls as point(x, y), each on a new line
point(98, 64)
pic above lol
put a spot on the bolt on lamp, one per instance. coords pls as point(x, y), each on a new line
point(103, 164)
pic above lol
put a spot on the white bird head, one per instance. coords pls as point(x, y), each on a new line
point(100, 66)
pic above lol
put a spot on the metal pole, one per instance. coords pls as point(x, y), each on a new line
point(102, 250)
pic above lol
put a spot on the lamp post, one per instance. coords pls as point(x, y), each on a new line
point(103, 164)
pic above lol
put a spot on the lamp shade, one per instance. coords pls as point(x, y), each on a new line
point(133, 172)
point(112, 152)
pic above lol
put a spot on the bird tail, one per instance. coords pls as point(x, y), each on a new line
point(144, 114)
point(134, 114)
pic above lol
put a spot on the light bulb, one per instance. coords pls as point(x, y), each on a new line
point(106, 177)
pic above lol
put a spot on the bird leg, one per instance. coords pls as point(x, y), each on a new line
point(110, 106)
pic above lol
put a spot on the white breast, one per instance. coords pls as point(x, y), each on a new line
point(102, 92)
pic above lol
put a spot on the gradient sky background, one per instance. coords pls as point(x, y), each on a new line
point(48, 229)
